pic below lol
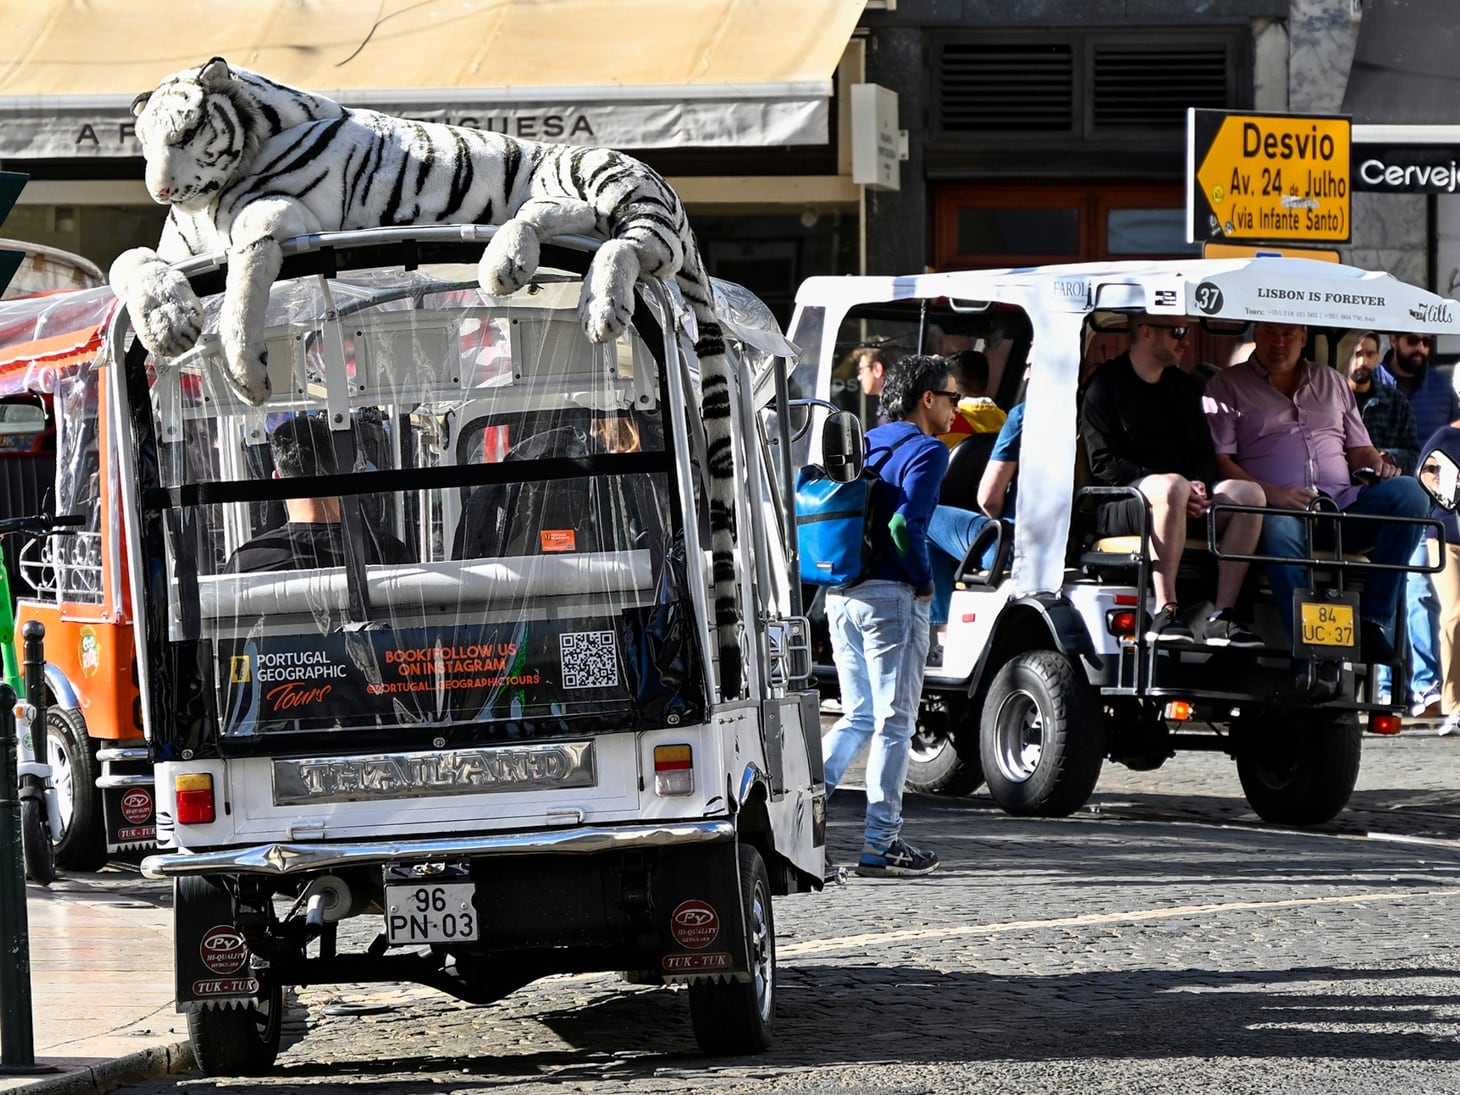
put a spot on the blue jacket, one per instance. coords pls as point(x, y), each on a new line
point(1433, 401)
point(909, 485)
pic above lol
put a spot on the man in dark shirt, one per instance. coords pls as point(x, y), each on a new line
point(1143, 426)
point(1386, 413)
point(313, 535)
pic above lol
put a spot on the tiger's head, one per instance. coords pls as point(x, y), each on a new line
point(198, 129)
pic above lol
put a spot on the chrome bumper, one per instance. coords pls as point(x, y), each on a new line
point(287, 859)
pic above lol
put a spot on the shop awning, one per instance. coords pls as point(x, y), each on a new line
point(624, 73)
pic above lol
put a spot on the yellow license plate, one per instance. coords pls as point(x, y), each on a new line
point(1327, 625)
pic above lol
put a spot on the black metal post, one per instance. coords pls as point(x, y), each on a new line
point(34, 634)
point(34, 669)
point(17, 1037)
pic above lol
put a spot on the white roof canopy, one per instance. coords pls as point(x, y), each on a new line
point(624, 73)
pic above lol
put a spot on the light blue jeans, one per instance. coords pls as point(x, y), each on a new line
point(1401, 496)
point(879, 640)
point(1422, 620)
point(951, 532)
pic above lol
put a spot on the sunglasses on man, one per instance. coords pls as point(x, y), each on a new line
point(1177, 332)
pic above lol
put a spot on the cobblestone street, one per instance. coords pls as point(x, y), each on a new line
point(1125, 950)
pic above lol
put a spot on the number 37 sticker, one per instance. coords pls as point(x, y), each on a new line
point(1208, 298)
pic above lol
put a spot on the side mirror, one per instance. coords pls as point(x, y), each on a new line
point(843, 447)
point(1440, 475)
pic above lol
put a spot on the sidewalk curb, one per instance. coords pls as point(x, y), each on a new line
point(142, 1065)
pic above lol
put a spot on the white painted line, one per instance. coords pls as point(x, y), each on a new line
point(864, 941)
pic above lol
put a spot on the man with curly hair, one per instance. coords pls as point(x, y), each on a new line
point(879, 625)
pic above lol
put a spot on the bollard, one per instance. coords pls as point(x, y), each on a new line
point(17, 1036)
point(34, 634)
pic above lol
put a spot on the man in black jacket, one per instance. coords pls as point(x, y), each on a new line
point(313, 535)
point(1143, 426)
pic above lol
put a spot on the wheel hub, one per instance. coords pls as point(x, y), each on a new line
point(1018, 736)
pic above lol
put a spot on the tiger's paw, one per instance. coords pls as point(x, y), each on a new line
point(607, 303)
point(510, 260)
point(246, 368)
point(166, 313)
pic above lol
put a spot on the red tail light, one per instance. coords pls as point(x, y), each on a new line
point(674, 770)
point(194, 798)
point(1385, 724)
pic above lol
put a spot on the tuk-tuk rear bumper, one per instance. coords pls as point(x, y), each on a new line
point(302, 858)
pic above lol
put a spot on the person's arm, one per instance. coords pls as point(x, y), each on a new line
point(1105, 436)
point(1358, 447)
point(1406, 452)
point(922, 476)
point(1367, 456)
point(993, 487)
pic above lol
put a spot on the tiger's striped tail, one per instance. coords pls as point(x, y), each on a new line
point(715, 395)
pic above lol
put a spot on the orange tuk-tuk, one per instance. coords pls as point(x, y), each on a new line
point(57, 456)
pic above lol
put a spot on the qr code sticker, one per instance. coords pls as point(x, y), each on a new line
point(589, 659)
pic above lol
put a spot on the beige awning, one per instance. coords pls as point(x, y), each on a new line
point(627, 73)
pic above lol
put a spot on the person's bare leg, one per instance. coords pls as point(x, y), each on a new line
point(1238, 533)
point(1168, 495)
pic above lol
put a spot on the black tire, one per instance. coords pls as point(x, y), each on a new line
point(1298, 771)
point(81, 843)
point(1042, 736)
point(734, 1018)
point(238, 1041)
point(935, 766)
point(35, 842)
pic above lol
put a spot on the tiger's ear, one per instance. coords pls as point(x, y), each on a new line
point(215, 73)
point(139, 103)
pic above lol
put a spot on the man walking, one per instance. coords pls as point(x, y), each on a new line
point(880, 626)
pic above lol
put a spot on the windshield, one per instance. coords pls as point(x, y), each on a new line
point(453, 513)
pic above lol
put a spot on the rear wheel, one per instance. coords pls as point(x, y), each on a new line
point(238, 1041)
point(935, 766)
point(81, 843)
point(1042, 736)
point(1299, 771)
point(735, 1017)
point(35, 841)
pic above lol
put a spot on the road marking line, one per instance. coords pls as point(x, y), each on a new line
point(1089, 919)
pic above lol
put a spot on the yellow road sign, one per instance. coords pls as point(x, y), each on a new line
point(1268, 177)
point(1211, 250)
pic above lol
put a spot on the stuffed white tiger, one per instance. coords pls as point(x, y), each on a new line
point(244, 163)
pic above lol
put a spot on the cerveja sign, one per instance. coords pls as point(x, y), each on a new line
point(1267, 177)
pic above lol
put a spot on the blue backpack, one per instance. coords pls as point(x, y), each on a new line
point(834, 523)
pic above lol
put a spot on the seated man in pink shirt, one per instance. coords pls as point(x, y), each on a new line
point(1293, 427)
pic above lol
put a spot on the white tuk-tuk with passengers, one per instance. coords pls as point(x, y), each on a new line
point(1043, 671)
point(473, 730)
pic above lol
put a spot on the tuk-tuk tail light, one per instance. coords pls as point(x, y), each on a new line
point(1380, 723)
point(194, 795)
point(674, 770)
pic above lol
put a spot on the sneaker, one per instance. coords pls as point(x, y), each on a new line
point(898, 858)
point(1374, 646)
point(1168, 626)
point(1224, 629)
point(1450, 726)
point(1426, 704)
